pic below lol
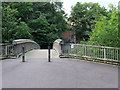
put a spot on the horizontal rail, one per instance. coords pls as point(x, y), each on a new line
point(96, 46)
point(96, 52)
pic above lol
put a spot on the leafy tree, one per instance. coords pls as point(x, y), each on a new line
point(40, 21)
point(12, 26)
point(106, 30)
point(47, 21)
point(83, 16)
point(40, 29)
point(24, 9)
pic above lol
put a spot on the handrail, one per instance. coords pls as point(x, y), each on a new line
point(15, 49)
point(96, 46)
point(96, 52)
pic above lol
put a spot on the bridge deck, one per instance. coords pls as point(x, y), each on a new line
point(60, 73)
point(41, 53)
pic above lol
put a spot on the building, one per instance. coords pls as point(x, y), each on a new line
point(69, 36)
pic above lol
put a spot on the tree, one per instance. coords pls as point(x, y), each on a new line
point(24, 9)
point(83, 16)
point(106, 30)
point(40, 21)
point(46, 22)
point(12, 26)
point(40, 29)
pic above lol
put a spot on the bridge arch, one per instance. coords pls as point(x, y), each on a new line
point(27, 43)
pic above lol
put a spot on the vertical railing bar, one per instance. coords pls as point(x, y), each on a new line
point(8, 50)
point(103, 53)
point(90, 51)
point(12, 50)
point(117, 54)
point(100, 52)
point(113, 54)
point(106, 53)
point(97, 52)
point(81, 50)
point(85, 50)
point(76, 49)
point(109, 53)
point(94, 52)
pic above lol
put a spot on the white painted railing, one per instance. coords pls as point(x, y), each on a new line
point(96, 52)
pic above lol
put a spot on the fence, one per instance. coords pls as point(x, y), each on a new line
point(15, 49)
point(6, 50)
point(96, 52)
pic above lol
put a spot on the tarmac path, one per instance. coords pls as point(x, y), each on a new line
point(37, 72)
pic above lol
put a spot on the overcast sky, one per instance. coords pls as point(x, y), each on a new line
point(68, 3)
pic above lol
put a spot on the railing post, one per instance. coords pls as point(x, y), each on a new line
point(23, 54)
point(104, 53)
point(48, 53)
point(6, 51)
point(85, 50)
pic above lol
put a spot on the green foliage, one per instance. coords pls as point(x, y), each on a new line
point(22, 31)
point(83, 16)
point(47, 21)
point(12, 27)
point(24, 9)
point(40, 21)
point(40, 29)
point(106, 30)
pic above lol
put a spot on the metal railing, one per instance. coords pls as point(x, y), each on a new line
point(6, 50)
point(96, 52)
point(15, 49)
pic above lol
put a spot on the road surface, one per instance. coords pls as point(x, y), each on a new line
point(37, 72)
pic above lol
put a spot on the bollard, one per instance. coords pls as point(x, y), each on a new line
point(48, 53)
point(23, 54)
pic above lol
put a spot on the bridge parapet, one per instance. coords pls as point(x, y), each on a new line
point(15, 49)
point(57, 46)
point(27, 43)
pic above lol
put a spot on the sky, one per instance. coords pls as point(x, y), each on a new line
point(68, 3)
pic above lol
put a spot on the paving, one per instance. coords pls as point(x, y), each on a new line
point(37, 72)
point(41, 53)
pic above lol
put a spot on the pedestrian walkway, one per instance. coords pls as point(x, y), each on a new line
point(41, 53)
point(37, 72)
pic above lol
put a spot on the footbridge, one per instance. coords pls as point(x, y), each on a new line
point(31, 48)
point(37, 72)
